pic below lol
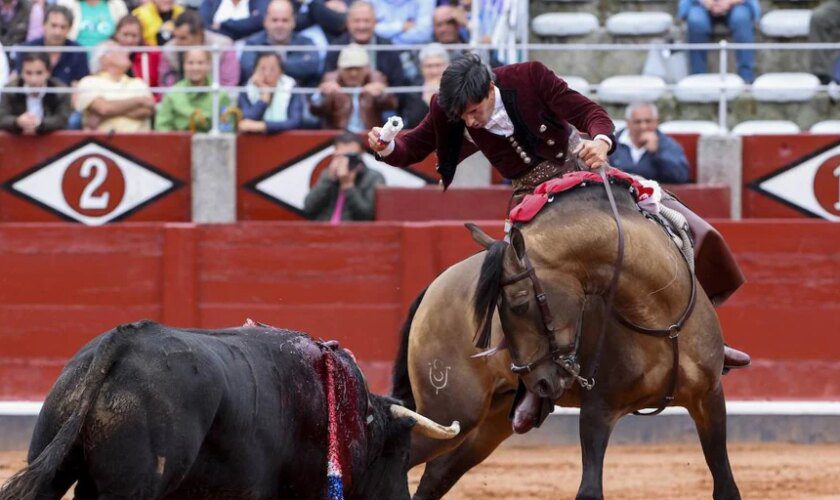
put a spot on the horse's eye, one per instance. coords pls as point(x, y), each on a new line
point(520, 309)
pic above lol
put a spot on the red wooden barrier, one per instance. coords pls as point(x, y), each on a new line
point(63, 284)
point(95, 178)
point(432, 203)
point(792, 176)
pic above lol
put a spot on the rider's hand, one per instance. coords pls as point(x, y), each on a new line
point(593, 153)
point(373, 140)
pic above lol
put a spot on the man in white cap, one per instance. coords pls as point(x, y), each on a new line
point(354, 96)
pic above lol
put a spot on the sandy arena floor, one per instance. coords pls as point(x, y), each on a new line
point(763, 471)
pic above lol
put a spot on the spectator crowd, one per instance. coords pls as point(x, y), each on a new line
point(115, 73)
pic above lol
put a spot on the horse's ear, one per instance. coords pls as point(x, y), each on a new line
point(517, 242)
point(479, 236)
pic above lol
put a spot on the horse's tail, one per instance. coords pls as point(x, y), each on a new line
point(401, 385)
point(34, 478)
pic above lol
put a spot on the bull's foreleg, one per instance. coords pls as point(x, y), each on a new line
point(443, 472)
point(709, 414)
point(596, 424)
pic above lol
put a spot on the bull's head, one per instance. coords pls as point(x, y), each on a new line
point(539, 310)
point(390, 429)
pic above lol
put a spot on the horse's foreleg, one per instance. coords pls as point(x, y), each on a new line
point(596, 425)
point(443, 472)
point(709, 414)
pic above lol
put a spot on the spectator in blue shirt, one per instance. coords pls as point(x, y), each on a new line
point(279, 24)
point(644, 150)
point(69, 67)
point(404, 21)
point(233, 18)
point(267, 104)
point(739, 15)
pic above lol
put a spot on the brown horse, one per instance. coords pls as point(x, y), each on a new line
point(571, 245)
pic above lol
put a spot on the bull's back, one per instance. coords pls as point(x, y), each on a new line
point(197, 411)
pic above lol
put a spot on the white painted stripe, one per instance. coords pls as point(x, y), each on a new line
point(29, 408)
point(19, 408)
point(752, 408)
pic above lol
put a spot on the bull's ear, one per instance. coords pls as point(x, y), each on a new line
point(517, 242)
point(479, 236)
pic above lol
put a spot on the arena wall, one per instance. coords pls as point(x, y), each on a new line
point(64, 283)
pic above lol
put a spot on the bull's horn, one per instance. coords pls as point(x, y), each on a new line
point(426, 426)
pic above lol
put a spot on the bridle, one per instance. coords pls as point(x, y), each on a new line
point(567, 357)
point(564, 356)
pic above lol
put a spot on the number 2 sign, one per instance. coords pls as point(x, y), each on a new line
point(92, 184)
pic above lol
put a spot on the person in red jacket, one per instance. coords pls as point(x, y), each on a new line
point(522, 117)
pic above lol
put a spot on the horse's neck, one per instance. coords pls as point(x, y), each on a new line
point(654, 280)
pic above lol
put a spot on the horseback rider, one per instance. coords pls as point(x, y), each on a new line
point(522, 117)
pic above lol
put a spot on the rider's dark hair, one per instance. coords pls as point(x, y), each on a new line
point(465, 81)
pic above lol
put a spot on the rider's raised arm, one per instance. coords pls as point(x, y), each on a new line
point(413, 146)
point(567, 104)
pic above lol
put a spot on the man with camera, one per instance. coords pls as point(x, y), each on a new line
point(346, 190)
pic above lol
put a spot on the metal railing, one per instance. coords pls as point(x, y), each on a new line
point(722, 47)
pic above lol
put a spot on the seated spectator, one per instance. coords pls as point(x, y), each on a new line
point(329, 15)
point(264, 111)
point(279, 25)
point(111, 100)
point(825, 28)
point(69, 67)
point(739, 15)
point(94, 21)
point(361, 21)
point(433, 61)
point(189, 31)
point(190, 110)
point(644, 150)
point(144, 63)
point(404, 21)
point(356, 111)
point(233, 18)
point(39, 112)
point(346, 190)
point(14, 21)
point(449, 25)
point(158, 20)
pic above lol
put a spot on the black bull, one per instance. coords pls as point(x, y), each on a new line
point(147, 411)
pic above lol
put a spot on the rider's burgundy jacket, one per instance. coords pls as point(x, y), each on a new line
point(541, 107)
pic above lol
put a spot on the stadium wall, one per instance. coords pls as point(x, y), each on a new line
point(63, 284)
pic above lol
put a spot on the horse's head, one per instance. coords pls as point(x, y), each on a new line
point(539, 310)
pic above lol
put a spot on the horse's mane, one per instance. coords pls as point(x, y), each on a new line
point(487, 292)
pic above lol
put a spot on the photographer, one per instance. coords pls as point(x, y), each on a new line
point(347, 189)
